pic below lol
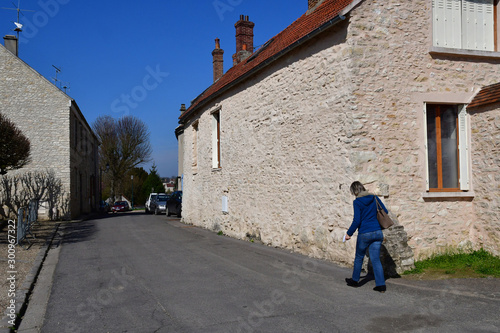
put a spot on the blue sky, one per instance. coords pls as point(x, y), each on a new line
point(142, 58)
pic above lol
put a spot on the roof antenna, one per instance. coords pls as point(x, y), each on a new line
point(63, 86)
point(19, 26)
point(58, 70)
point(66, 86)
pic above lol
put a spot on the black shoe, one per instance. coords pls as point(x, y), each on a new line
point(380, 288)
point(352, 283)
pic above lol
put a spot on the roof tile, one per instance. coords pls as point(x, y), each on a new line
point(487, 95)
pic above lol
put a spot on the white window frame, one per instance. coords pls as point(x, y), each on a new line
point(194, 165)
point(464, 155)
point(216, 133)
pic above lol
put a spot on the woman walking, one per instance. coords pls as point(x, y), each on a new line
point(370, 235)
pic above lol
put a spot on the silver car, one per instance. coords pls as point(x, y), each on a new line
point(158, 204)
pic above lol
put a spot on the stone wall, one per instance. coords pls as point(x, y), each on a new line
point(485, 148)
point(346, 106)
point(46, 116)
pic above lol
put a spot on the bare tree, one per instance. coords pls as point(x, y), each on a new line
point(18, 190)
point(14, 146)
point(124, 145)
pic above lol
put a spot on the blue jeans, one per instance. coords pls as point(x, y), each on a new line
point(372, 241)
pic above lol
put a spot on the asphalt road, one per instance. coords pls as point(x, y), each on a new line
point(144, 273)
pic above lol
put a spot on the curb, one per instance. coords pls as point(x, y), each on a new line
point(24, 292)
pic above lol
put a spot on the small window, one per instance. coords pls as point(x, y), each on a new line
point(216, 140)
point(195, 147)
point(446, 148)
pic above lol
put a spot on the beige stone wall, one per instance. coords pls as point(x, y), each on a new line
point(484, 229)
point(347, 106)
point(37, 112)
point(46, 116)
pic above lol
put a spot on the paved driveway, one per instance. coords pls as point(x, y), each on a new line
point(144, 273)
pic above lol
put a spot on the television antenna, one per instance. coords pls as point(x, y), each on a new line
point(58, 70)
point(19, 26)
point(64, 86)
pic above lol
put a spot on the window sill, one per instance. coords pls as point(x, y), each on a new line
point(448, 195)
point(464, 53)
point(216, 169)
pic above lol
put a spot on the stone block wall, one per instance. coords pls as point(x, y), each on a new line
point(46, 116)
point(346, 106)
point(41, 113)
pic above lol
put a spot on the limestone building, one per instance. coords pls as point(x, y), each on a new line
point(395, 94)
point(61, 139)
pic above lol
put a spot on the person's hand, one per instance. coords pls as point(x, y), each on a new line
point(347, 237)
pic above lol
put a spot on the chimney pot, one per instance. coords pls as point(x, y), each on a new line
point(218, 60)
point(244, 39)
point(11, 44)
point(183, 108)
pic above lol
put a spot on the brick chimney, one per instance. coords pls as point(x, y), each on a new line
point(313, 3)
point(11, 44)
point(244, 39)
point(218, 60)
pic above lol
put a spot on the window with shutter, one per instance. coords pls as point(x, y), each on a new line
point(216, 140)
point(195, 147)
point(446, 148)
point(464, 24)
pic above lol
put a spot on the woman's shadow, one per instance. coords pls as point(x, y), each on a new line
point(387, 263)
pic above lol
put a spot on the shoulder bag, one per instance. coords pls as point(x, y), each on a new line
point(383, 218)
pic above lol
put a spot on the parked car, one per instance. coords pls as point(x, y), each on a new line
point(120, 206)
point(174, 204)
point(158, 204)
point(104, 207)
point(147, 205)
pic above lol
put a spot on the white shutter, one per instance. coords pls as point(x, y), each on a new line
point(453, 28)
point(426, 149)
point(463, 146)
point(478, 25)
point(447, 18)
point(215, 153)
point(488, 42)
point(438, 14)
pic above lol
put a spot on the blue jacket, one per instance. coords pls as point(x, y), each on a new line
point(365, 214)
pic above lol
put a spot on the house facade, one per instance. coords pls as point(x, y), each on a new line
point(368, 90)
point(61, 139)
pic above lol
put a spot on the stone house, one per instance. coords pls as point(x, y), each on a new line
point(384, 92)
point(61, 139)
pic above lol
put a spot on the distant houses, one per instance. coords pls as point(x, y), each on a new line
point(61, 139)
point(352, 90)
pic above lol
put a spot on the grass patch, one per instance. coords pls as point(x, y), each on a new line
point(458, 265)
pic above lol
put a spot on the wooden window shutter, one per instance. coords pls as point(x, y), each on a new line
point(447, 18)
point(478, 25)
point(463, 147)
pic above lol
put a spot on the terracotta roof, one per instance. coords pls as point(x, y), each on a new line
point(302, 27)
point(487, 95)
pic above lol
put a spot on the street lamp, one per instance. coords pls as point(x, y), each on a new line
point(132, 178)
